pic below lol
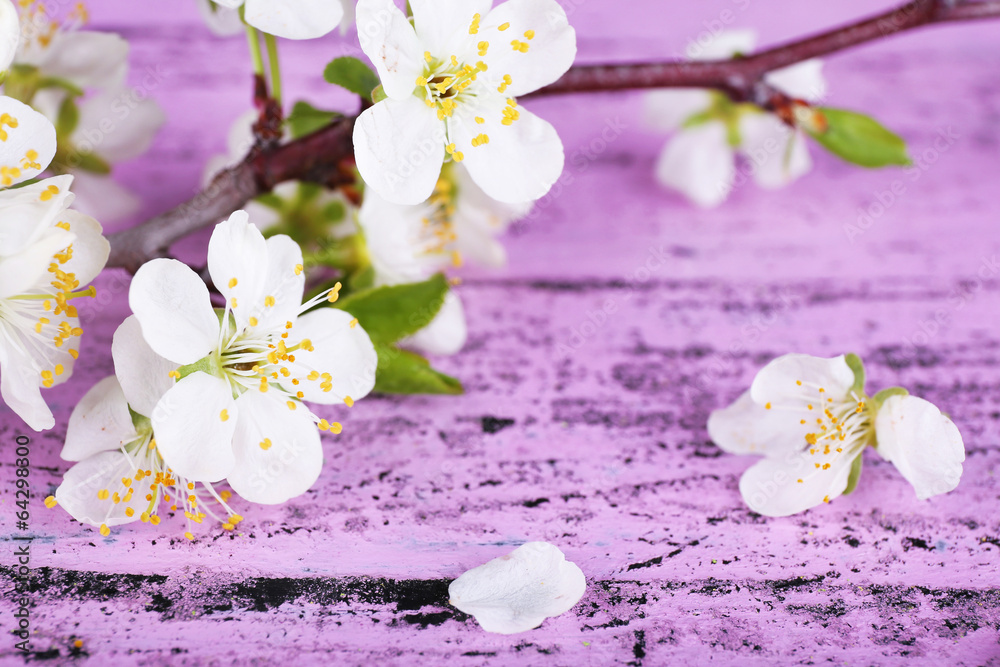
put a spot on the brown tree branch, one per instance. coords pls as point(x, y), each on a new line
point(324, 156)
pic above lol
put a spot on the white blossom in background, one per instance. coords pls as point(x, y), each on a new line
point(237, 410)
point(48, 253)
point(86, 69)
point(700, 160)
point(451, 79)
point(120, 476)
point(806, 416)
point(291, 19)
point(517, 592)
point(10, 33)
point(410, 243)
point(113, 127)
point(27, 143)
point(61, 51)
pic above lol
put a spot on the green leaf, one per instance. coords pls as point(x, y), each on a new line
point(860, 139)
point(306, 119)
point(855, 475)
point(352, 74)
point(68, 118)
point(881, 397)
point(856, 365)
point(378, 94)
point(392, 312)
point(403, 372)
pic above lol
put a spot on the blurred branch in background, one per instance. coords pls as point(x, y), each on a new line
point(325, 156)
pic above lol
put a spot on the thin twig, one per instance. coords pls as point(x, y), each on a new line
point(323, 157)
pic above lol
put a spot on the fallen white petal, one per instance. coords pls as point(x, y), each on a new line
point(516, 592)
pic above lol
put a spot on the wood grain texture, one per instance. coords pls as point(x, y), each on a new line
point(624, 318)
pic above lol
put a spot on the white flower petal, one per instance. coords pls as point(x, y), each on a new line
point(393, 237)
point(172, 304)
point(194, 424)
point(516, 592)
point(10, 33)
point(344, 351)
point(284, 281)
point(443, 25)
point(771, 486)
point(389, 41)
point(237, 261)
point(90, 248)
point(666, 110)
point(777, 155)
point(103, 197)
point(29, 142)
point(100, 422)
point(923, 444)
point(117, 126)
point(86, 58)
point(521, 161)
point(294, 19)
point(221, 20)
point(803, 80)
point(723, 45)
point(30, 267)
point(143, 374)
point(29, 212)
point(446, 333)
point(748, 428)
point(699, 162)
point(278, 451)
point(551, 49)
point(787, 379)
point(399, 149)
point(20, 387)
point(78, 493)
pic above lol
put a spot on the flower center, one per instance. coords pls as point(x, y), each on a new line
point(840, 427)
point(43, 316)
point(447, 83)
point(152, 484)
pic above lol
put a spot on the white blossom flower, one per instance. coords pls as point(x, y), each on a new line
point(410, 243)
point(27, 142)
point(10, 33)
point(451, 79)
point(811, 421)
point(236, 411)
point(291, 19)
point(111, 437)
point(517, 592)
point(700, 160)
point(47, 252)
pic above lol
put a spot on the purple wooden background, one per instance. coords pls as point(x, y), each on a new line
point(589, 435)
